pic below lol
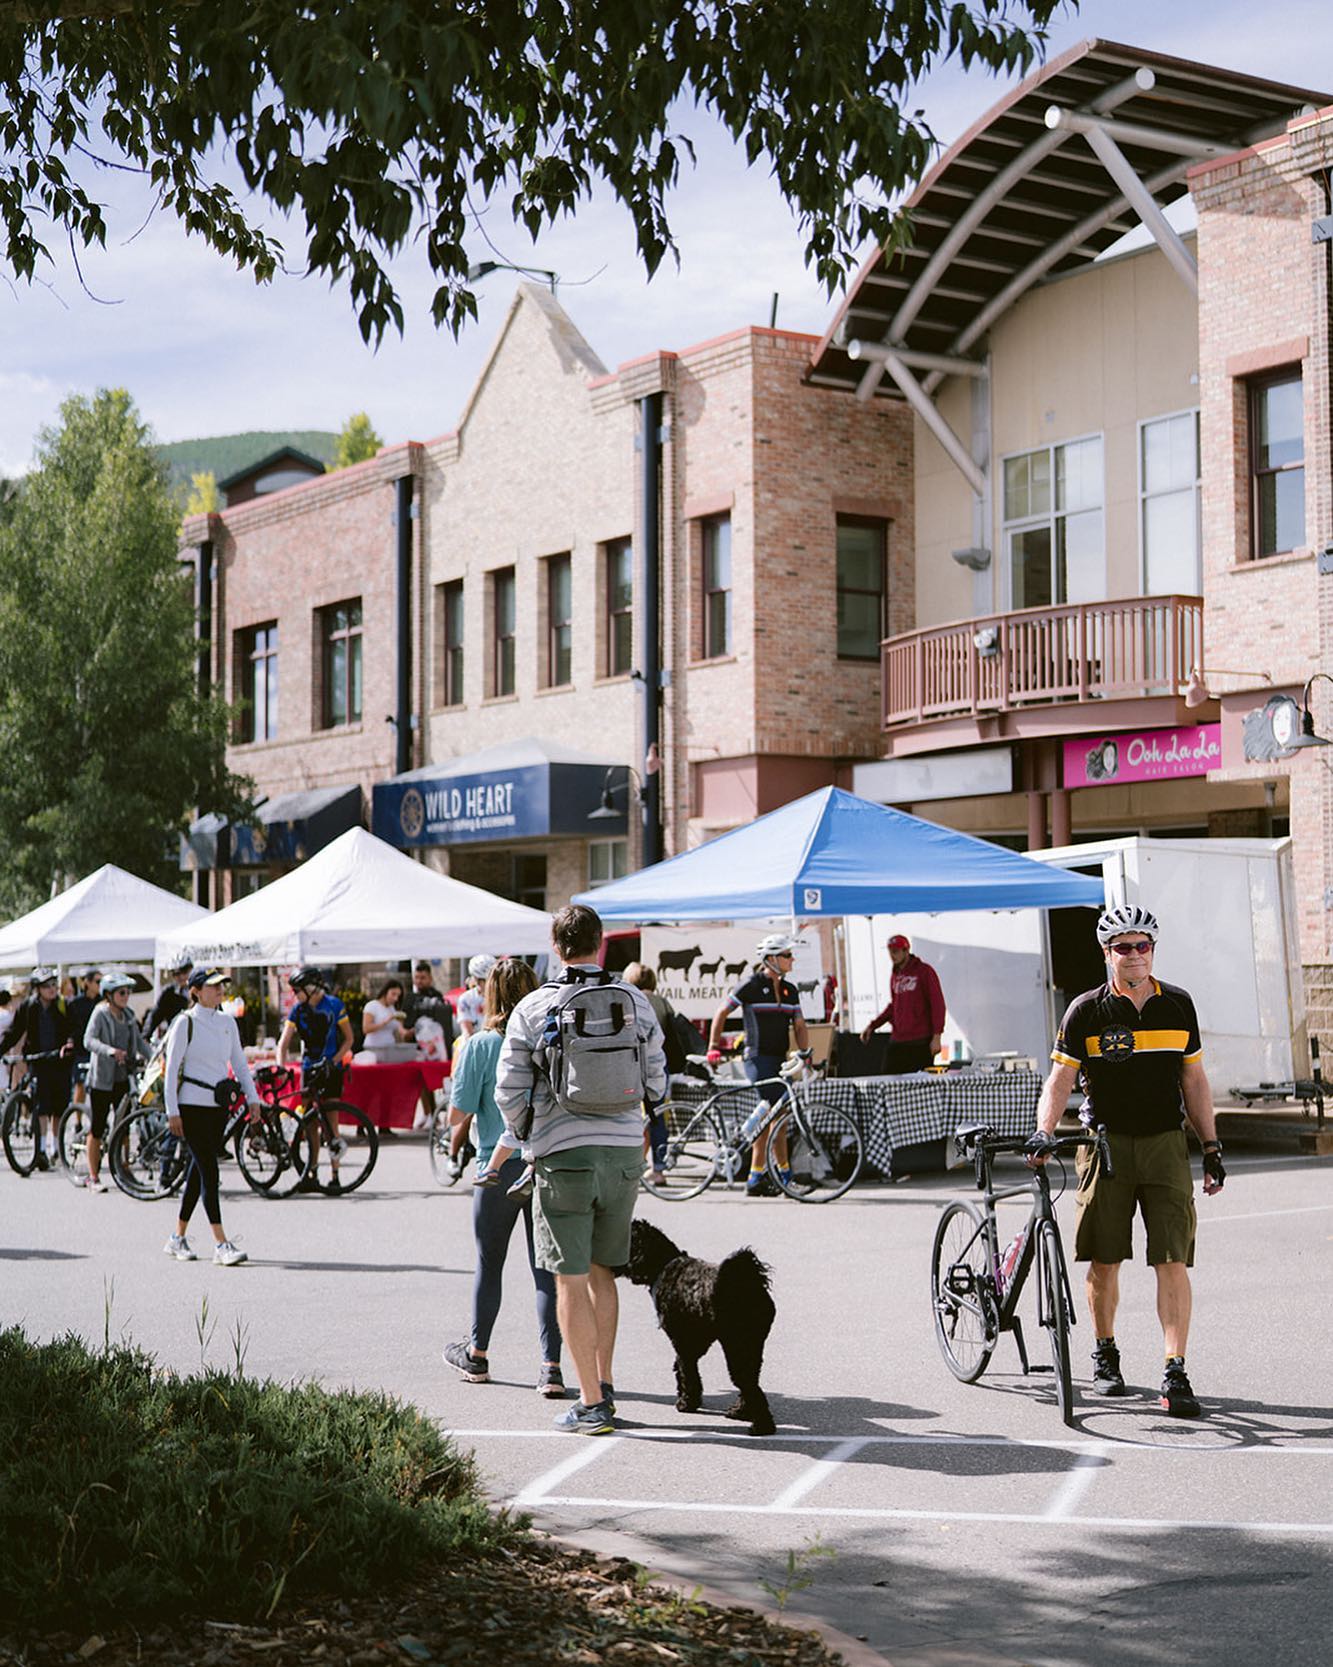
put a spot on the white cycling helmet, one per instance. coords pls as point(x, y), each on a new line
point(1125, 917)
point(480, 966)
point(776, 943)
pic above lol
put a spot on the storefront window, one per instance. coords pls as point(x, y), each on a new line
point(1169, 502)
point(608, 859)
point(1053, 525)
point(1277, 463)
point(528, 883)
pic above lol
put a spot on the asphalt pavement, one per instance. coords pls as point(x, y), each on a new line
point(946, 1524)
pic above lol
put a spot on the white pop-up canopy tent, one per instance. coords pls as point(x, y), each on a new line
point(358, 900)
point(109, 916)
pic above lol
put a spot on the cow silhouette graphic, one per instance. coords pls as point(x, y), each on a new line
point(808, 989)
point(708, 969)
point(677, 960)
point(734, 969)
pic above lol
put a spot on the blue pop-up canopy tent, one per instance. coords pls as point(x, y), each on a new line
point(832, 853)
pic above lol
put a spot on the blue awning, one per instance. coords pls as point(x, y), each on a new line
point(831, 853)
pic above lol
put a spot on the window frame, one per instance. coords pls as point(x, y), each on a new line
point(877, 524)
point(613, 849)
point(1255, 386)
point(1145, 496)
point(451, 662)
point(709, 650)
point(504, 671)
point(1050, 517)
point(559, 631)
point(612, 615)
point(350, 638)
point(248, 658)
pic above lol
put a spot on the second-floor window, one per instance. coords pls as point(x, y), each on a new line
point(340, 629)
point(1277, 463)
point(559, 621)
point(716, 550)
point(1169, 501)
point(258, 668)
point(1053, 528)
point(503, 615)
point(860, 557)
point(619, 607)
point(449, 625)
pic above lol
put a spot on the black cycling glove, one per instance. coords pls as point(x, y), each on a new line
point(1040, 1144)
point(1213, 1166)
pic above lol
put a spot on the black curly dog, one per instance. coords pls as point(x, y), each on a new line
point(702, 1303)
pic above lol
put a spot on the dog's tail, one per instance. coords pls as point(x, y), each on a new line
point(742, 1278)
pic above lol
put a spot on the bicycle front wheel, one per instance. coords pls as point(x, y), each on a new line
point(1053, 1298)
point(339, 1146)
point(441, 1164)
point(962, 1296)
point(696, 1152)
point(72, 1141)
point(823, 1151)
point(146, 1160)
point(20, 1133)
point(269, 1153)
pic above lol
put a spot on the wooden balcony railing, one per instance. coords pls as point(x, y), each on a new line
point(1144, 645)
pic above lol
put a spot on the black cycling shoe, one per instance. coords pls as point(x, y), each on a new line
point(1178, 1396)
point(759, 1186)
point(1107, 1378)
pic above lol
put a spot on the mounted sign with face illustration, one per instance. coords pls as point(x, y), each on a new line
point(1143, 755)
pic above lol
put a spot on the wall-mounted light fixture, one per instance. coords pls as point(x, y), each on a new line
point(1197, 691)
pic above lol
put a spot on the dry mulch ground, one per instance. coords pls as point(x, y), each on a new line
point(536, 1606)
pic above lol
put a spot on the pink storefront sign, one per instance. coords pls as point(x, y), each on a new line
point(1143, 755)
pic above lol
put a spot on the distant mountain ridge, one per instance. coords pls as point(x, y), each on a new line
point(224, 454)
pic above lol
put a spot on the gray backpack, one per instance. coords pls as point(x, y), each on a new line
point(589, 1049)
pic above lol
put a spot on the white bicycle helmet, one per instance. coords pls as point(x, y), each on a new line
point(776, 943)
point(479, 966)
point(1125, 917)
point(116, 981)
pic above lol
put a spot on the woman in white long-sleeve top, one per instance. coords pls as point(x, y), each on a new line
point(202, 1046)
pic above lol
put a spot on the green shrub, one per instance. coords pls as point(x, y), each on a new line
point(133, 1492)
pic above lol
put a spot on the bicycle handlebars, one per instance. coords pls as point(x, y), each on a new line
point(983, 1143)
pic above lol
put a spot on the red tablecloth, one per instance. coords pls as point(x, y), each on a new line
point(389, 1093)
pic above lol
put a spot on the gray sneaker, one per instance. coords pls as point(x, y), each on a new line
point(179, 1247)
point(581, 1420)
point(228, 1255)
point(472, 1368)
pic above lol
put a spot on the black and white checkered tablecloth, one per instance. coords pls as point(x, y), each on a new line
point(902, 1111)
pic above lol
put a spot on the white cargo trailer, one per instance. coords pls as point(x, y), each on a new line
point(1228, 917)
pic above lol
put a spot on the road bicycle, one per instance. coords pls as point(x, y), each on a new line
point(709, 1142)
point(19, 1120)
point(975, 1286)
point(75, 1126)
point(304, 1124)
point(446, 1166)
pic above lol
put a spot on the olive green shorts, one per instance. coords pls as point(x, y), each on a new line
point(583, 1204)
point(1152, 1174)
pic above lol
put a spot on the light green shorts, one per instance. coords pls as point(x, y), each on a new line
point(583, 1204)
point(1152, 1174)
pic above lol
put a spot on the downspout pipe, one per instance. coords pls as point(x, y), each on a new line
point(403, 694)
point(203, 609)
point(650, 619)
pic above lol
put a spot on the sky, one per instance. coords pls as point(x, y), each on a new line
point(205, 351)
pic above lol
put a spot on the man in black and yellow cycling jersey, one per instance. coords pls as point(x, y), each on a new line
point(1134, 1046)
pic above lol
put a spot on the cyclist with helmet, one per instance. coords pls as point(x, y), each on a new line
point(1133, 1045)
point(41, 1025)
point(114, 1047)
point(472, 1002)
point(770, 1008)
point(317, 1022)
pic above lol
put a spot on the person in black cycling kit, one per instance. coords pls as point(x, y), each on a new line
point(1134, 1046)
point(173, 999)
point(318, 1021)
point(41, 1025)
point(770, 1012)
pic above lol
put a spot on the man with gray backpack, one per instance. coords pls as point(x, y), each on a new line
point(581, 1057)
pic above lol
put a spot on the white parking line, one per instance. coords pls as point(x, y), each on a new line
point(818, 1472)
point(1075, 1485)
point(1071, 1444)
point(1206, 1220)
point(535, 1493)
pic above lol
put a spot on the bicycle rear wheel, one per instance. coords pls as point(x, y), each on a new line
point(344, 1152)
point(962, 1296)
point(696, 1153)
point(20, 1133)
point(1053, 1300)
point(269, 1153)
point(72, 1142)
point(442, 1167)
point(824, 1153)
point(146, 1160)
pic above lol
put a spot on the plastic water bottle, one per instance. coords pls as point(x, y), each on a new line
point(750, 1127)
point(1009, 1261)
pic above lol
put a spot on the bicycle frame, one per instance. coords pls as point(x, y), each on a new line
point(1038, 1188)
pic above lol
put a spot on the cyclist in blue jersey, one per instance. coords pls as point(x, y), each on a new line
point(770, 1006)
point(317, 1020)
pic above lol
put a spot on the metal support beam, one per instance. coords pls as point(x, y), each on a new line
point(948, 363)
point(1060, 120)
point(1144, 204)
point(929, 413)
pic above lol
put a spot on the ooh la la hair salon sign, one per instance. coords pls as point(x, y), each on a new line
point(1144, 755)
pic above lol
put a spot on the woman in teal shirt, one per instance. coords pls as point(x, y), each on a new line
point(494, 1212)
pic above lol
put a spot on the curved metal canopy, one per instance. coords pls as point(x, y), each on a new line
point(1080, 152)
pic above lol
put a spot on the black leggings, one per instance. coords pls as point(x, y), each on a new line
point(203, 1127)
point(103, 1103)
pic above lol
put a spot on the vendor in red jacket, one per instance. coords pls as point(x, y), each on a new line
point(915, 1011)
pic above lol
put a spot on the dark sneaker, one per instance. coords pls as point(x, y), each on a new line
point(1107, 1378)
point(41, 1161)
point(581, 1420)
point(550, 1382)
point(470, 1367)
point(1178, 1396)
point(609, 1397)
point(334, 1187)
point(759, 1186)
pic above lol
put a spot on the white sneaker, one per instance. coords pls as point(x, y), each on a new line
point(227, 1255)
point(179, 1247)
point(95, 1183)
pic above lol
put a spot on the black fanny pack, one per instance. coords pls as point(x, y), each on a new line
point(225, 1093)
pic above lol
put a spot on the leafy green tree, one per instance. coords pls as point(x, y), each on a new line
point(203, 497)
point(357, 442)
point(105, 740)
point(372, 123)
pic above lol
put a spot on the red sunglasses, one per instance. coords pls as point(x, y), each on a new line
point(1140, 948)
